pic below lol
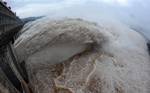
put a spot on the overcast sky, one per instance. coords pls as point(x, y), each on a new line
point(26, 8)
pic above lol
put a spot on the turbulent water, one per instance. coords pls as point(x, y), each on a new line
point(78, 56)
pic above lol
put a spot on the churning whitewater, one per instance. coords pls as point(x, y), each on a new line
point(78, 56)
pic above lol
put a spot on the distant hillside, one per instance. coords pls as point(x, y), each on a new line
point(28, 19)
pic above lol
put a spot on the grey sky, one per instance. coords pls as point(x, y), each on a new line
point(26, 8)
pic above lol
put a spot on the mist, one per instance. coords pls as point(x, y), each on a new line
point(133, 13)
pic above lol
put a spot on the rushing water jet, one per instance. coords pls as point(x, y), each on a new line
point(74, 55)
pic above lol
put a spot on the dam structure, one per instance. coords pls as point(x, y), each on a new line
point(10, 69)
